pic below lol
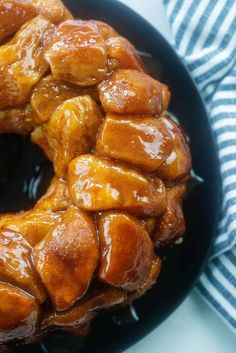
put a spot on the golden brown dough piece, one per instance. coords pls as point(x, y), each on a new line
point(16, 266)
point(86, 309)
point(122, 54)
point(19, 120)
point(56, 198)
point(71, 131)
point(54, 10)
point(97, 184)
point(149, 282)
point(171, 225)
point(77, 53)
point(150, 224)
point(178, 164)
point(121, 165)
point(13, 14)
point(18, 314)
point(106, 30)
point(33, 225)
point(38, 137)
point(126, 251)
point(133, 92)
point(141, 141)
point(50, 93)
point(22, 63)
point(67, 257)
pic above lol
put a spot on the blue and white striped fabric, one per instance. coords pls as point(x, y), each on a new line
point(204, 35)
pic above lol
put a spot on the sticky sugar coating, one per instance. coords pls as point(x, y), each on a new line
point(91, 242)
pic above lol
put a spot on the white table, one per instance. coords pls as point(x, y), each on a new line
point(193, 327)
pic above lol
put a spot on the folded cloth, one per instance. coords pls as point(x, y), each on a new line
point(204, 35)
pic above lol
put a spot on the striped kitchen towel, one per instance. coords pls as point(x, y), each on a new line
point(204, 35)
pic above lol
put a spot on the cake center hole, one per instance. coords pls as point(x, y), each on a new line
point(25, 173)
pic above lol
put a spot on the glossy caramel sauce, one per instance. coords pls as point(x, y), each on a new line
point(121, 166)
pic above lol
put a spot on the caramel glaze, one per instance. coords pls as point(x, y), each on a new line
point(15, 13)
point(121, 166)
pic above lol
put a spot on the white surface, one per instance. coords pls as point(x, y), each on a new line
point(193, 327)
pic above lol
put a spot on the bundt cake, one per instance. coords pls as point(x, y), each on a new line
point(121, 166)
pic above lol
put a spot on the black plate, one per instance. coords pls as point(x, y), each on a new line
point(183, 263)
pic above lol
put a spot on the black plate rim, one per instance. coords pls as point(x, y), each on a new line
point(153, 31)
point(164, 41)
